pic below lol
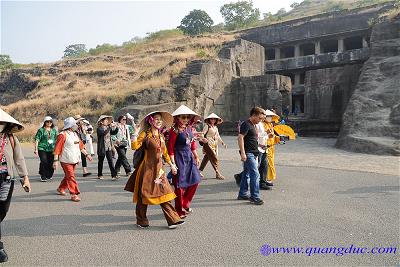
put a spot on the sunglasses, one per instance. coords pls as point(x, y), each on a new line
point(123, 120)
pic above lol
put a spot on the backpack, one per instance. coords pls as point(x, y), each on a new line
point(138, 155)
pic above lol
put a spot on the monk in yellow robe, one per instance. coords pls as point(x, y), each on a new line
point(270, 120)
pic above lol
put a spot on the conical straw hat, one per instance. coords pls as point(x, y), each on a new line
point(214, 116)
point(5, 117)
point(102, 117)
point(184, 110)
point(166, 117)
point(275, 117)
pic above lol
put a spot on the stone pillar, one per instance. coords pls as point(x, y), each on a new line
point(297, 51)
point(317, 47)
point(364, 42)
point(277, 53)
point(297, 78)
point(340, 45)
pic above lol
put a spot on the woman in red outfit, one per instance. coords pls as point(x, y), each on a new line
point(68, 151)
point(182, 150)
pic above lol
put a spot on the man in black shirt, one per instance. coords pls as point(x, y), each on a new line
point(248, 145)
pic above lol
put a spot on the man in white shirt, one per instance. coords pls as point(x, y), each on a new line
point(262, 157)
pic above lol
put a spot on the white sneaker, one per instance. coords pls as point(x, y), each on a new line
point(175, 225)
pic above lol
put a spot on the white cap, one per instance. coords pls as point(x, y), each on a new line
point(69, 123)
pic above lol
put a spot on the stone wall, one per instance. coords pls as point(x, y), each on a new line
point(243, 93)
point(371, 122)
point(327, 91)
point(246, 58)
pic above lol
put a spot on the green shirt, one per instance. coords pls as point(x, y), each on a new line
point(46, 140)
point(130, 129)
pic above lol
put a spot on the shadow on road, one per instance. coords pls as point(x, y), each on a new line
point(75, 225)
point(370, 190)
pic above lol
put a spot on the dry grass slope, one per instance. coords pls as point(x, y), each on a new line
point(96, 85)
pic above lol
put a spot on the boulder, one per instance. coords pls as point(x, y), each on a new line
point(371, 122)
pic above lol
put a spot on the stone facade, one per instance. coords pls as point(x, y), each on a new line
point(322, 55)
point(316, 27)
point(319, 61)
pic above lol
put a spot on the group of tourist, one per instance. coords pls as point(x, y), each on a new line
point(74, 144)
point(159, 137)
point(256, 142)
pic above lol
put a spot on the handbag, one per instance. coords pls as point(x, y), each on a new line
point(123, 143)
point(201, 142)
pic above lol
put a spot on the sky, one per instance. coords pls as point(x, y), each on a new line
point(39, 31)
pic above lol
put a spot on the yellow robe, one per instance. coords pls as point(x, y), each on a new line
point(269, 129)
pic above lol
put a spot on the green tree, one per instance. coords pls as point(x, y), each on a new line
point(5, 62)
point(75, 50)
point(294, 5)
point(101, 49)
point(239, 14)
point(196, 22)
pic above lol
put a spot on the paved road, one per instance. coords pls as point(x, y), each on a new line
point(308, 207)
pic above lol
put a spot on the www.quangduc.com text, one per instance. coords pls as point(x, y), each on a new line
point(267, 250)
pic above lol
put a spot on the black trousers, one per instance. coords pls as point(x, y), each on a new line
point(83, 159)
point(122, 160)
point(6, 190)
point(46, 164)
point(262, 167)
point(108, 155)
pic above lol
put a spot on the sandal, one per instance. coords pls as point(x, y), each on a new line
point(75, 198)
point(220, 177)
point(61, 192)
point(189, 211)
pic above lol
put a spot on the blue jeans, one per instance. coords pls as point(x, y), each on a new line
point(250, 170)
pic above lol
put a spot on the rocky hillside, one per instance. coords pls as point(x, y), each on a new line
point(371, 122)
point(100, 84)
